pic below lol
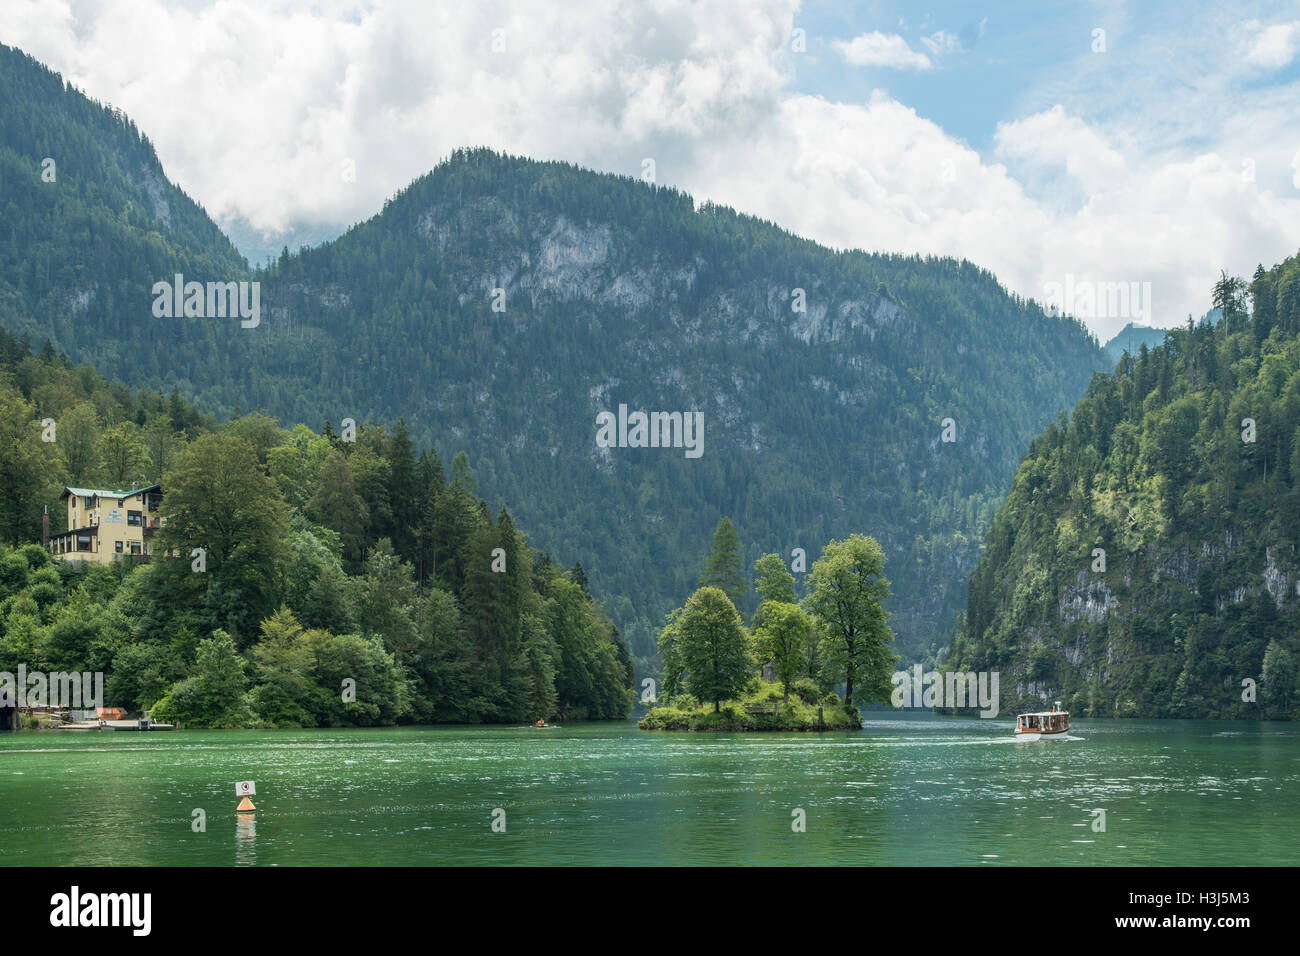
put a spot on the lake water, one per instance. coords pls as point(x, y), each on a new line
point(918, 790)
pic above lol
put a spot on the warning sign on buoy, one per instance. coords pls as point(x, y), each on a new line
point(244, 789)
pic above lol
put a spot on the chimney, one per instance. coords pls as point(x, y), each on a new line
point(45, 528)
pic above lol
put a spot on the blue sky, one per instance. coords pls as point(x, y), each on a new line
point(996, 132)
point(966, 94)
point(1020, 58)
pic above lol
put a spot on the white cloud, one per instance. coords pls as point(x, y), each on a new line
point(881, 177)
point(881, 49)
point(1272, 47)
point(939, 42)
point(1055, 140)
point(254, 107)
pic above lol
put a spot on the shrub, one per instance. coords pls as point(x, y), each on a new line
point(666, 718)
point(806, 690)
point(13, 573)
point(849, 716)
point(36, 556)
point(728, 718)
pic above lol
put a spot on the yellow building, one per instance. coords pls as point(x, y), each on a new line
point(106, 525)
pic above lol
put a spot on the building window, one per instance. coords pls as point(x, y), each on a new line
point(89, 502)
point(133, 518)
point(117, 546)
point(135, 547)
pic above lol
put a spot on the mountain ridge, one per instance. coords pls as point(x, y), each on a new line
point(498, 304)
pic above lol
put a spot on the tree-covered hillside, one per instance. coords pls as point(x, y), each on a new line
point(302, 561)
point(89, 220)
point(1145, 561)
point(499, 305)
point(824, 379)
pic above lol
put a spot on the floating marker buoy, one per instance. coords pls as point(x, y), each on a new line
point(243, 789)
point(245, 806)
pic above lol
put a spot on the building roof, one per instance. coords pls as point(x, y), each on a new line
point(104, 493)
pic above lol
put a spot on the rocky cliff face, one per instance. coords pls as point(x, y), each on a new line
point(517, 300)
point(500, 304)
point(1145, 560)
point(1117, 644)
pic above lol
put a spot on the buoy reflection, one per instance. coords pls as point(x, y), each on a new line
point(245, 839)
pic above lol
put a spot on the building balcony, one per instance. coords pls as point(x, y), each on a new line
point(76, 541)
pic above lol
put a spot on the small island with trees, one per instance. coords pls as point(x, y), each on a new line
point(782, 671)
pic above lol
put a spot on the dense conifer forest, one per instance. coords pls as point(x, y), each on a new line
point(1145, 561)
point(499, 304)
point(323, 561)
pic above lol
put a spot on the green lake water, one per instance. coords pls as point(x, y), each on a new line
point(903, 791)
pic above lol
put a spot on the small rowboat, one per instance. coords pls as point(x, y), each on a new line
point(1046, 723)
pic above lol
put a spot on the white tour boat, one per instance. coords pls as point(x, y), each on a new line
point(1045, 723)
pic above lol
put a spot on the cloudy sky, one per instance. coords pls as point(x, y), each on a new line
point(1152, 142)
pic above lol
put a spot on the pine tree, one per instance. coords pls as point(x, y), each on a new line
point(404, 492)
point(431, 480)
point(725, 568)
point(579, 577)
point(461, 475)
point(338, 505)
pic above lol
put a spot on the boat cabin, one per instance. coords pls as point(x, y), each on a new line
point(1054, 721)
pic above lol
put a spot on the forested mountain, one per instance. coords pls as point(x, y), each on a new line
point(499, 305)
point(1183, 467)
point(88, 219)
point(1131, 338)
point(323, 560)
